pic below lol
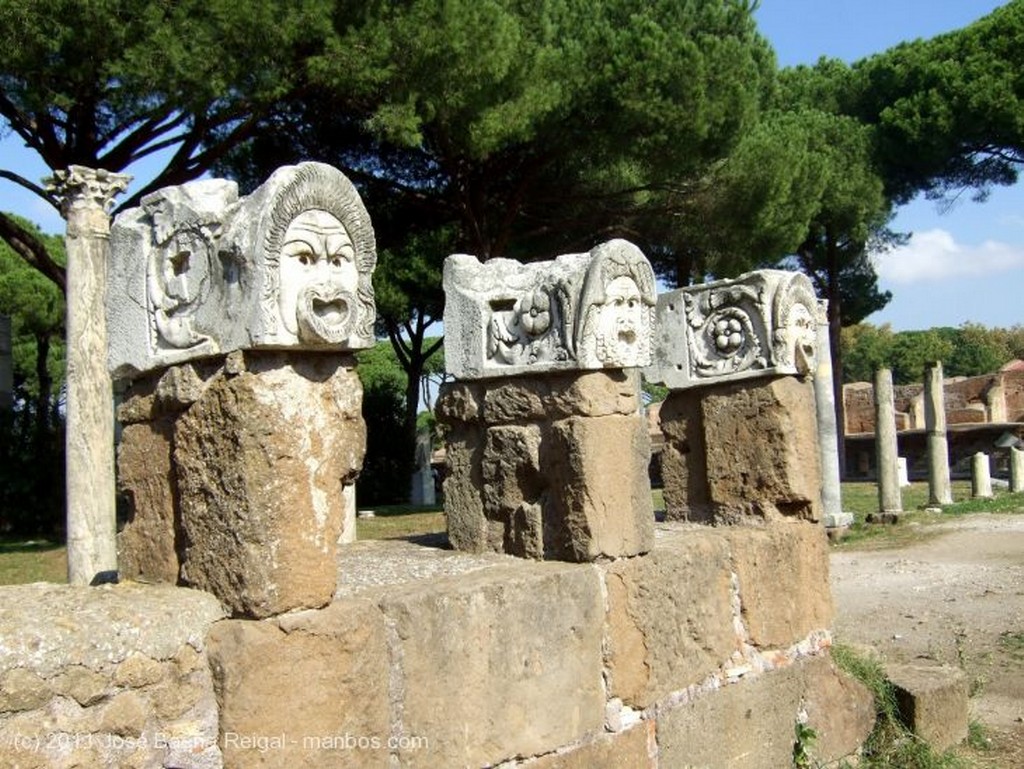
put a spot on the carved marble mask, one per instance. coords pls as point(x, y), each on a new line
point(620, 327)
point(318, 279)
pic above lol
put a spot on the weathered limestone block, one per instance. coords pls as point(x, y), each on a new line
point(261, 461)
point(635, 748)
point(292, 688)
point(518, 649)
point(737, 451)
point(150, 544)
point(553, 467)
point(760, 324)
point(752, 724)
point(783, 581)
point(112, 676)
point(578, 311)
point(670, 621)
point(195, 271)
point(932, 701)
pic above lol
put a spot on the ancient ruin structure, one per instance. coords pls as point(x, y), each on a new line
point(232, 320)
point(741, 434)
point(86, 196)
point(547, 448)
point(982, 413)
point(242, 434)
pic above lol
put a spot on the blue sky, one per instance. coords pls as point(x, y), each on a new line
point(965, 264)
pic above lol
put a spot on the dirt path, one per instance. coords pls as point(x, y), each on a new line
point(957, 599)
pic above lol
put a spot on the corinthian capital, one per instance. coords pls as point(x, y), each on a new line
point(80, 187)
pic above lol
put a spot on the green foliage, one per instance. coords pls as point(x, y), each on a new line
point(36, 307)
point(971, 350)
point(949, 109)
point(387, 467)
point(803, 745)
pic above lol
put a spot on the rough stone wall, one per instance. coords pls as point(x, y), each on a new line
point(704, 652)
point(966, 400)
point(548, 467)
point(741, 451)
point(115, 676)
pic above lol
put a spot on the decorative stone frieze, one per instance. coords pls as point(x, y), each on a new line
point(576, 312)
point(197, 271)
point(756, 325)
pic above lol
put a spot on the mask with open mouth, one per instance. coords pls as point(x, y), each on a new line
point(325, 314)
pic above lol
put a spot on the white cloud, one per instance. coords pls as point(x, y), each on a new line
point(934, 255)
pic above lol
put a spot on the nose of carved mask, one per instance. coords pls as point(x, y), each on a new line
point(325, 314)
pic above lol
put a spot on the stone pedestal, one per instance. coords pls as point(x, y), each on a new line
point(889, 499)
point(86, 194)
point(981, 477)
point(552, 467)
point(940, 492)
point(744, 450)
point(235, 483)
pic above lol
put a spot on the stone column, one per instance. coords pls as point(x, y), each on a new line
point(6, 364)
point(889, 500)
point(1016, 469)
point(981, 479)
point(86, 196)
point(939, 489)
point(828, 436)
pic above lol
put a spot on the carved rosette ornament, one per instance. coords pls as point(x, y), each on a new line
point(758, 324)
point(578, 311)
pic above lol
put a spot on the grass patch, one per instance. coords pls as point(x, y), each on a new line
point(1012, 644)
point(861, 498)
point(890, 745)
point(400, 521)
point(23, 562)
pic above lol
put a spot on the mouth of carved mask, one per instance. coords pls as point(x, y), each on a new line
point(325, 314)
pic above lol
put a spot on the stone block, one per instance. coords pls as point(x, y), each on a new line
point(526, 479)
point(196, 271)
point(752, 724)
point(670, 622)
point(783, 574)
point(932, 701)
point(635, 748)
point(149, 544)
point(760, 324)
point(261, 461)
point(746, 450)
point(578, 311)
point(291, 690)
point(518, 649)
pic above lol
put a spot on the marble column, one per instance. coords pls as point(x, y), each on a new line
point(889, 500)
point(1016, 469)
point(981, 478)
point(86, 196)
point(940, 492)
point(828, 436)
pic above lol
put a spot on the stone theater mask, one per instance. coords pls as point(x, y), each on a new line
point(289, 266)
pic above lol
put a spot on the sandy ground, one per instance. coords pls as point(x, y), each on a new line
point(957, 599)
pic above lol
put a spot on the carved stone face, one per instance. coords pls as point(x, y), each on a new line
point(620, 327)
point(318, 279)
